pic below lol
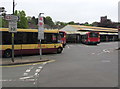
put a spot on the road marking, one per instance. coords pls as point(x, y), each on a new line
point(40, 67)
point(28, 70)
point(67, 46)
point(93, 53)
point(28, 64)
point(104, 61)
point(106, 51)
point(25, 74)
point(9, 80)
point(36, 74)
point(26, 77)
point(5, 80)
point(37, 70)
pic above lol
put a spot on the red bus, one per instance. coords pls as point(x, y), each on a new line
point(63, 37)
point(91, 38)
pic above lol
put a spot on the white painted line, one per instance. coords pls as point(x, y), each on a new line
point(5, 80)
point(104, 61)
point(93, 53)
point(40, 67)
point(105, 50)
point(28, 70)
point(25, 74)
point(67, 46)
point(38, 70)
point(30, 80)
point(36, 74)
point(26, 77)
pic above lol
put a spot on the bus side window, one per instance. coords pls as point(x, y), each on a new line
point(35, 38)
point(48, 38)
point(24, 41)
point(18, 39)
point(6, 38)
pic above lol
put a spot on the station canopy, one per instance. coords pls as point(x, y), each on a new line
point(74, 29)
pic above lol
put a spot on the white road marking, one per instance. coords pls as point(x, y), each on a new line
point(38, 70)
point(40, 67)
point(5, 80)
point(106, 51)
point(93, 53)
point(25, 74)
point(28, 70)
point(68, 47)
point(36, 74)
point(27, 77)
point(30, 79)
point(104, 61)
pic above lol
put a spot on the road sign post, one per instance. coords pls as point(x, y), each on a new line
point(40, 32)
point(12, 28)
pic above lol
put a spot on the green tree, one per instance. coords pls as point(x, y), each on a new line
point(23, 22)
point(48, 21)
point(32, 22)
point(59, 25)
point(71, 23)
point(4, 23)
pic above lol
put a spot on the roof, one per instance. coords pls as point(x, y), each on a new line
point(87, 28)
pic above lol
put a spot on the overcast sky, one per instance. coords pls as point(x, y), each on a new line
point(67, 10)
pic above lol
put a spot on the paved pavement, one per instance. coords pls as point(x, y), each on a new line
point(21, 60)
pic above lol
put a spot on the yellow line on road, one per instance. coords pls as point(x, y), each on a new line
point(28, 64)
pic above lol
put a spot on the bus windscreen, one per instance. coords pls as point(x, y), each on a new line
point(93, 35)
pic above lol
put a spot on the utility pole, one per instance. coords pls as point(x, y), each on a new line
point(13, 6)
point(13, 35)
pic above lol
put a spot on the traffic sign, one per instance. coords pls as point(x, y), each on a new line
point(12, 26)
point(40, 27)
point(11, 17)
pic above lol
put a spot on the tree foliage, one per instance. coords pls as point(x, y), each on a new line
point(48, 20)
point(23, 22)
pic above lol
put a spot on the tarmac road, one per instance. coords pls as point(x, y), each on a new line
point(78, 66)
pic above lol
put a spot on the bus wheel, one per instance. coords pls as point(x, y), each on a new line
point(59, 50)
point(8, 53)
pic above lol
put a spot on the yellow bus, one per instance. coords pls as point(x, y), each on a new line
point(26, 42)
